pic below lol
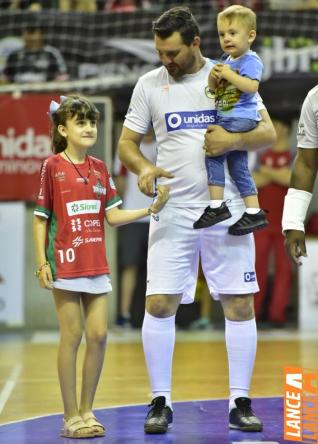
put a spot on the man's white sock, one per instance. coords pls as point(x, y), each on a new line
point(158, 336)
point(241, 343)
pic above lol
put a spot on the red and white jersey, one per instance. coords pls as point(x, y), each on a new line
point(75, 211)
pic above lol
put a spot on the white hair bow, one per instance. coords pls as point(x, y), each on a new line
point(54, 106)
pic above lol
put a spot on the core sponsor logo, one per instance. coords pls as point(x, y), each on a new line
point(83, 207)
point(190, 120)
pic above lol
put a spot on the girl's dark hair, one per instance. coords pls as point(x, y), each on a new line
point(70, 107)
point(178, 19)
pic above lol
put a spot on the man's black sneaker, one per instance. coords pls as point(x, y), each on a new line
point(212, 216)
point(159, 416)
point(243, 418)
point(249, 223)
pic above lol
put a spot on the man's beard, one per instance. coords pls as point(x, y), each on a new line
point(175, 71)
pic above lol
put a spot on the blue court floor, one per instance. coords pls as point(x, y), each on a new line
point(195, 422)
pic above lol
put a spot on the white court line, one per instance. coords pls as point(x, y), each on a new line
point(9, 386)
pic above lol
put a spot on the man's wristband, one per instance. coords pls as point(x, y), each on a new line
point(38, 271)
point(295, 209)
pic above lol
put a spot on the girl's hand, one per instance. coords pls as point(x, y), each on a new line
point(45, 277)
point(162, 198)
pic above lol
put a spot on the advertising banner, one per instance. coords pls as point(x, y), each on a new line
point(24, 144)
point(12, 262)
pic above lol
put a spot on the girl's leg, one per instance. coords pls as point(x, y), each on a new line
point(95, 311)
point(69, 317)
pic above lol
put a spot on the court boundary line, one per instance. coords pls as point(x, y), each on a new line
point(130, 405)
point(9, 386)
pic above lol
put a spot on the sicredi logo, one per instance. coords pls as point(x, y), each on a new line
point(190, 119)
point(83, 207)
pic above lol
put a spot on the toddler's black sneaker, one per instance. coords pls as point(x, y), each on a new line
point(212, 216)
point(249, 223)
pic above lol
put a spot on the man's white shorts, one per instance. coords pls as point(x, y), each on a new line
point(228, 262)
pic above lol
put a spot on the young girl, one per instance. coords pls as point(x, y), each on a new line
point(76, 194)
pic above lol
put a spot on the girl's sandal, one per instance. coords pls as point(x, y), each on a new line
point(75, 427)
point(91, 421)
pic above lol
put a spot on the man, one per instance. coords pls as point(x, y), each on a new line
point(302, 181)
point(133, 239)
point(34, 62)
point(176, 99)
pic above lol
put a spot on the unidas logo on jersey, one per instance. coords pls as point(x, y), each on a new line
point(190, 119)
point(83, 207)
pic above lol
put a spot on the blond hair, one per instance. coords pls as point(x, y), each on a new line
point(240, 13)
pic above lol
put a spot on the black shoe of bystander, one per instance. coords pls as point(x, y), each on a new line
point(243, 418)
point(159, 417)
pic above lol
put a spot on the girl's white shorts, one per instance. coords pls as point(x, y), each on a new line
point(86, 284)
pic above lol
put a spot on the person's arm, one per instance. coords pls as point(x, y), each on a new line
point(260, 178)
point(281, 176)
point(297, 201)
point(131, 156)
point(43, 272)
point(304, 170)
point(115, 216)
point(218, 140)
point(244, 84)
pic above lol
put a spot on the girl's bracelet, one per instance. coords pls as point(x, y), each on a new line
point(38, 271)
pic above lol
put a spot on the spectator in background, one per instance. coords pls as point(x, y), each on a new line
point(256, 5)
point(32, 5)
point(133, 240)
point(126, 5)
point(77, 5)
point(293, 5)
point(35, 61)
point(272, 180)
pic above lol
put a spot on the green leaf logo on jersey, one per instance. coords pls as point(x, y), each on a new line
point(75, 208)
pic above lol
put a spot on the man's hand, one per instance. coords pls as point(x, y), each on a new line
point(161, 199)
point(295, 245)
point(147, 177)
point(218, 141)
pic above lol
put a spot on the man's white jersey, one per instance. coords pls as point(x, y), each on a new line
point(307, 132)
point(180, 112)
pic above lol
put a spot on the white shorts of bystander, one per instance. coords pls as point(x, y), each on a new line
point(228, 262)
